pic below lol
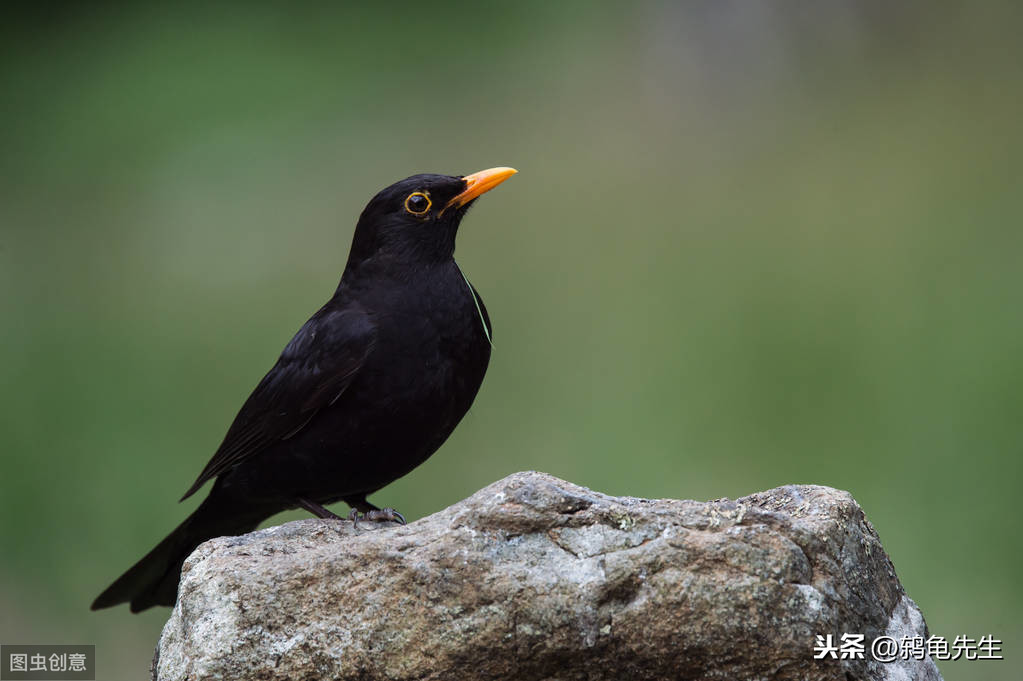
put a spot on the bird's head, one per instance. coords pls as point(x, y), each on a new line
point(414, 221)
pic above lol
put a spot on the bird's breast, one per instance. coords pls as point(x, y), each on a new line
point(432, 346)
point(427, 364)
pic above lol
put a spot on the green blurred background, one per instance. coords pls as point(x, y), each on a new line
point(750, 244)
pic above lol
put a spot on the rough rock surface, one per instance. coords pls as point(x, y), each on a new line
point(536, 578)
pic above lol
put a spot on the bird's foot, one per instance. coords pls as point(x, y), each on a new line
point(377, 515)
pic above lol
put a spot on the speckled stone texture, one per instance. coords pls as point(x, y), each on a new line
point(536, 578)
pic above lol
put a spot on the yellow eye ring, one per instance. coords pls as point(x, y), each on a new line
point(418, 203)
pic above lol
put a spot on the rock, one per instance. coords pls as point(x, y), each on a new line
point(536, 578)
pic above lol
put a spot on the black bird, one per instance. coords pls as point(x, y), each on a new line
point(366, 391)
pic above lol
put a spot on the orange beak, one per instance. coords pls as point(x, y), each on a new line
point(479, 183)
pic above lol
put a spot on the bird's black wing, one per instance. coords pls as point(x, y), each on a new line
point(312, 372)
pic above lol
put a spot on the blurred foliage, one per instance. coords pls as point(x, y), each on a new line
point(750, 244)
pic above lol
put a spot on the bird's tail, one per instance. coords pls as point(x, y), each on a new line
point(154, 579)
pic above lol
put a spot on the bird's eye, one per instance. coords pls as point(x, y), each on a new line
point(418, 203)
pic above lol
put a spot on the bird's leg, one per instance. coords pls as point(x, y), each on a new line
point(317, 510)
point(370, 512)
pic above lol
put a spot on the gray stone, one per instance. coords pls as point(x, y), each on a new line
point(536, 578)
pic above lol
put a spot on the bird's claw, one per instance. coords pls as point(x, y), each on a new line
point(377, 515)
